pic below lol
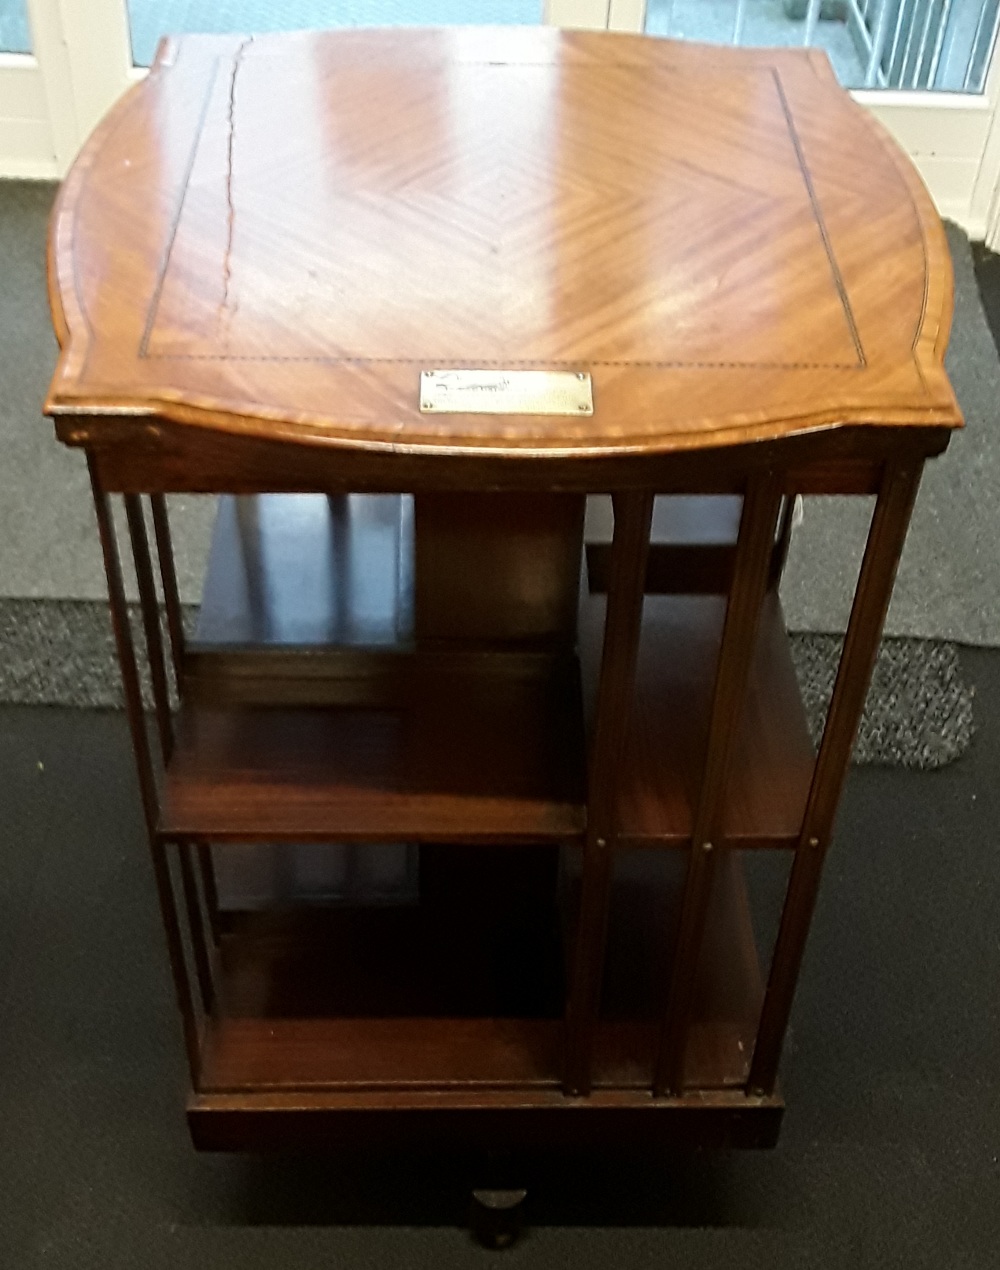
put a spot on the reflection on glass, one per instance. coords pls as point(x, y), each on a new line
point(15, 34)
point(910, 44)
point(152, 19)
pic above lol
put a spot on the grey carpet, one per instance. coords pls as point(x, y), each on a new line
point(949, 578)
point(48, 539)
point(949, 583)
point(919, 711)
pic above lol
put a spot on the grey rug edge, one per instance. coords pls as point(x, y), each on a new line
point(919, 712)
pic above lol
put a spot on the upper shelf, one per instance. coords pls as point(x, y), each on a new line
point(299, 718)
point(275, 236)
point(487, 748)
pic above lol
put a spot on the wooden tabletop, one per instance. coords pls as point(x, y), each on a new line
point(277, 235)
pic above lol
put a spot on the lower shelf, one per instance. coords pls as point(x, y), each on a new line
point(449, 1055)
point(462, 997)
point(370, 1054)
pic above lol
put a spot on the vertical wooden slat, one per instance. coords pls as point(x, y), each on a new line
point(175, 631)
point(210, 889)
point(144, 763)
point(871, 600)
point(149, 604)
point(784, 539)
point(196, 927)
point(622, 623)
point(126, 650)
point(751, 573)
point(178, 963)
point(168, 576)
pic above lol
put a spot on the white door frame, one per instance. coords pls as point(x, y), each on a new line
point(51, 98)
point(954, 141)
point(27, 148)
point(81, 62)
point(985, 202)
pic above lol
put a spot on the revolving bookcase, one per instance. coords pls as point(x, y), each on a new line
point(541, 821)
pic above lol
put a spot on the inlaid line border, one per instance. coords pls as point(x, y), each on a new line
point(153, 312)
point(838, 277)
point(154, 304)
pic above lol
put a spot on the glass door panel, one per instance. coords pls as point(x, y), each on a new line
point(152, 19)
point(15, 34)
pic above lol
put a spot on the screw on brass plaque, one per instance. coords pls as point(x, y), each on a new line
point(506, 392)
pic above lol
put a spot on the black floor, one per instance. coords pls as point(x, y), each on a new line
point(888, 1157)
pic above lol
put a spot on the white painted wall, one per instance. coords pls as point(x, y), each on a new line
point(954, 141)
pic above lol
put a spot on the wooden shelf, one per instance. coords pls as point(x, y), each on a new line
point(667, 736)
point(427, 995)
point(268, 1055)
point(485, 749)
point(437, 997)
point(301, 1054)
point(311, 741)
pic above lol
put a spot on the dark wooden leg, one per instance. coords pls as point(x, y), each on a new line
point(629, 550)
point(144, 764)
point(878, 571)
point(126, 650)
point(175, 631)
point(754, 549)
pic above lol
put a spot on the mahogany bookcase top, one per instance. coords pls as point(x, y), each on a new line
point(275, 236)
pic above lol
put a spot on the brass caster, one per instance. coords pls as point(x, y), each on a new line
point(496, 1217)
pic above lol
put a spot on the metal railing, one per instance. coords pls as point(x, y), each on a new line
point(903, 44)
point(925, 44)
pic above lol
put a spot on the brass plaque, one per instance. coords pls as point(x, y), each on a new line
point(506, 392)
